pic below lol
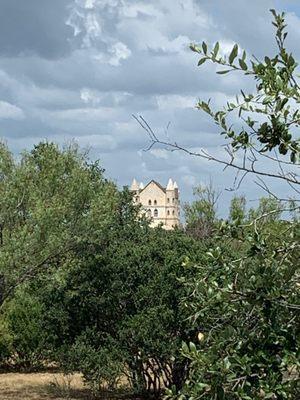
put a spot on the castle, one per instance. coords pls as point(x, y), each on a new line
point(161, 204)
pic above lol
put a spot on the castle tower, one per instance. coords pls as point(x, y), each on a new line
point(159, 203)
point(134, 185)
point(172, 204)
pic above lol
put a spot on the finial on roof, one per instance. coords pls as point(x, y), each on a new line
point(134, 185)
point(170, 185)
point(141, 186)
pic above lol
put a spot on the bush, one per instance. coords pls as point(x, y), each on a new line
point(24, 337)
point(244, 302)
point(116, 311)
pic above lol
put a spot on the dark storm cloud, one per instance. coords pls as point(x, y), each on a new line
point(34, 27)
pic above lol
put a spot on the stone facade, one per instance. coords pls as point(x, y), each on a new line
point(161, 204)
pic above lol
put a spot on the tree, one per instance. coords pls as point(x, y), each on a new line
point(200, 215)
point(50, 201)
point(245, 300)
point(237, 210)
point(116, 310)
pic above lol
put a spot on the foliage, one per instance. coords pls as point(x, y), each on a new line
point(237, 210)
point(85, 282)
point(49, 201)
point(5, 342)
point(275, 99)
point(201, 214)
point(116, 311)
point(22, 320)
point(244, 302)
point(260, 128)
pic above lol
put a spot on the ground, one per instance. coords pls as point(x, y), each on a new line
point(41, 386)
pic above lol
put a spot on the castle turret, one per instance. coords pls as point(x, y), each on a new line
point(134, 186)
point(170, 185)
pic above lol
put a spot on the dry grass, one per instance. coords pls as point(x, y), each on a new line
point(41, 386)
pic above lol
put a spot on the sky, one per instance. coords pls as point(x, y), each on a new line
point(78, 70)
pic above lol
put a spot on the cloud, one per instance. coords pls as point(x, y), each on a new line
point(10, 111)
point(160, 153)
point(34, 27)
point(119, 52)
point(80, 69)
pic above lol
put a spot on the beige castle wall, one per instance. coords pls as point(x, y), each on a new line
point(167, 205)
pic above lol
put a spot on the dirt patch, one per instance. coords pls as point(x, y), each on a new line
point(41, 386)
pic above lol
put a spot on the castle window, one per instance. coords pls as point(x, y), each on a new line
point(173, 212)
point(168, 200)
point(149, 203)
point(155, 202)
point(168, 212)
point(173, 200)
point(155, 213)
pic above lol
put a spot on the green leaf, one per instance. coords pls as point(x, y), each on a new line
point(283, 103)
point(270, 395)
point(202, 61)
point(267, 100)
point(243, 65)
point(293, 157)
point(233, 54)
point(184, 347)
point(195, 48)
point(216, 49)
point(193, 348)
point(223, 72)
point(204, 47)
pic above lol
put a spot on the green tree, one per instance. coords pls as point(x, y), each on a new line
point(237, 212)
point(245, 305)
point(245, 299)
point(22, 318)
point(116, 311)
point(201, 214)
point(50, 201)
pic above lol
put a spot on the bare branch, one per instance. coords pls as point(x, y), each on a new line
point(250, 168)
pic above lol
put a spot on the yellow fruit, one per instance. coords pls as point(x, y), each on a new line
point(200, 337)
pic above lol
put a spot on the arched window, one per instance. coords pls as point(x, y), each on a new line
point(168, 212)
point(155, 202)
point(173, 212)
point(173, 200)
point(149, 203)
point(155, 213)
point(168, 200)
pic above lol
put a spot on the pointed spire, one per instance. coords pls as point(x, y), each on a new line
point(175, 185)
point(141, 186)
point(134, 185)
point(170, 185)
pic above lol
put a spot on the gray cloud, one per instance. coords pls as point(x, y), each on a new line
point(34, 27)
point(80, 69)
